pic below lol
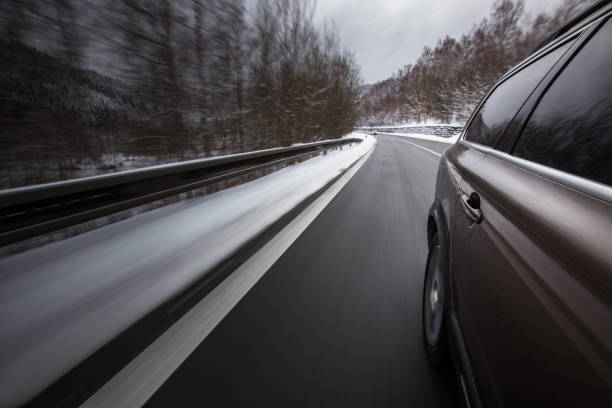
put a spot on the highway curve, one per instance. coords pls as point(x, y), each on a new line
point(337, 320)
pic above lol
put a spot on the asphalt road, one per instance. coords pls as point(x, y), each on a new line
point(336, 321)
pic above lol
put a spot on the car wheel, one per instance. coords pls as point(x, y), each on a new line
point(435, 301)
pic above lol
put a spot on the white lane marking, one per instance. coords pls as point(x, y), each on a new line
point(421, 147)
point(136, 382)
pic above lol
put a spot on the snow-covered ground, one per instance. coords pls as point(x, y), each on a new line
point(449, 140)
point(61, 302)
point(428, 123)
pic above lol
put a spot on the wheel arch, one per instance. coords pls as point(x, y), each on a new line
point(437, 223)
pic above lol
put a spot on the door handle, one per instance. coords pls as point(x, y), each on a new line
point(471, 206)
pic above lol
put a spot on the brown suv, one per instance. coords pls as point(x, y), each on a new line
point(518, 282)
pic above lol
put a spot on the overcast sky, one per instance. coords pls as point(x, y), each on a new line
point(385, 35)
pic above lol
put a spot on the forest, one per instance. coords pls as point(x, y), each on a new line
point(447, 82)
point(88, 86)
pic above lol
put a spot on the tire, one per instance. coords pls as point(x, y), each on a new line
point(435, 307)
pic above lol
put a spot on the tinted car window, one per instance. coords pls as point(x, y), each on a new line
point(571, 128)
point(503, 103)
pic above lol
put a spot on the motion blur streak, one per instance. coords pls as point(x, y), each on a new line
point(337, 320)
point(61, 302)
point(95, 86)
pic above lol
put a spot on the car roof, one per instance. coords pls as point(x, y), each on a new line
point(578, 23)
point(587, 15)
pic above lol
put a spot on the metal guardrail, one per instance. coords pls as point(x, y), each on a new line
point(430, 130)
point(31, 211)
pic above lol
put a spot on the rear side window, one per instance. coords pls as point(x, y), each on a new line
point(571, 127)
point(504, 102)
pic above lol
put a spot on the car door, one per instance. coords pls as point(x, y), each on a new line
point(531, 249)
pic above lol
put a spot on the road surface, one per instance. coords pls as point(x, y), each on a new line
point(336, 321)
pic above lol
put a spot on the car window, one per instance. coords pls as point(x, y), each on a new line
point(571, 127)
point(503, 103)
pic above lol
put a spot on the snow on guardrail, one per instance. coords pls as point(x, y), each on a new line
point(436, 132)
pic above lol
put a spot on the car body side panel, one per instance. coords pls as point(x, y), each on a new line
point(447, 183)
point(533, 284)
